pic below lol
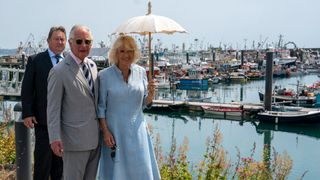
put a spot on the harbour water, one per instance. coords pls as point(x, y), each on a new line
point(301, 142)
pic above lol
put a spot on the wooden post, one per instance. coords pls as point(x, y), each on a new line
point(242, 57)
point(268, 76)
point(267, 148)
point(23, 148)
point(213, 54)
point(23, 59)
point(187, 58)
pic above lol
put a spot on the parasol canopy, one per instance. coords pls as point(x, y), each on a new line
point(148, 24)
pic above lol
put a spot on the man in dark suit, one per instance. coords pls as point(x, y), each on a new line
point(34, 104)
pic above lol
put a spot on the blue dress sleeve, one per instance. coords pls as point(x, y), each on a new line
point(145, 85)
point(103, 94)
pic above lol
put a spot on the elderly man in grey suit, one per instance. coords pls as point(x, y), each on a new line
point(72, 98)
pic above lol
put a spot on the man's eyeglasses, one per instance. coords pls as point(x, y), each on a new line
point(86, 41)
point(113, 152)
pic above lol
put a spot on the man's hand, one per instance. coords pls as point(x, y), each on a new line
point(30, 121)
point(57, 148)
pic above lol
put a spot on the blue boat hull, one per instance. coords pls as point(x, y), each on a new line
point(193, 84)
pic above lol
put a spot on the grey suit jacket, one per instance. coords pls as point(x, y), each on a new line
point(71, 107)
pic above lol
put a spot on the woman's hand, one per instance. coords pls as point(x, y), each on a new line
point(108, 138)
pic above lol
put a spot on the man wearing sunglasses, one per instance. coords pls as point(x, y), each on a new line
point(72, 119)
point(34, 104)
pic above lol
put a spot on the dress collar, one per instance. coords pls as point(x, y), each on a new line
point(118, 70)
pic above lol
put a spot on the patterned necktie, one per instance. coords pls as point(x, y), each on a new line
point(58, 57)
point(87, 75)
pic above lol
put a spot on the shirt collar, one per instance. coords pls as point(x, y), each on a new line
point(77, 60)
point(51, 54)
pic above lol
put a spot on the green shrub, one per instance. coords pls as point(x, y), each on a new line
point(175, 166)
point(215, 165)
point(7, 148)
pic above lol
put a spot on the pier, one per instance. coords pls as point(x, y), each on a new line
point(10, 83)
point(248, 108)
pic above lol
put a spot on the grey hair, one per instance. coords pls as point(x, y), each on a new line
point(126, 41)
point(75, 27)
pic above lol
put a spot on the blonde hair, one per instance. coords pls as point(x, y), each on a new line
point(127, 42)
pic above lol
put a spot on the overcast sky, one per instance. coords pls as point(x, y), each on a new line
point(225, 22)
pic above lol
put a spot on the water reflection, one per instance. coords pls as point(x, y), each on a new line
point(196, 116)
point(300, 141)
point(310, 130)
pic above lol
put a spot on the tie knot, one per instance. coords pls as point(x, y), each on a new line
point(58, 57)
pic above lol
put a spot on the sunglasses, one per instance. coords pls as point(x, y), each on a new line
point(86, 41)
point(113, 152)
point(129, 51)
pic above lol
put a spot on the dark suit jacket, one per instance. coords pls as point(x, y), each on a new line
point(34, 87)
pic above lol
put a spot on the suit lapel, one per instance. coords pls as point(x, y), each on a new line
point(47, 61)
point(74, 67)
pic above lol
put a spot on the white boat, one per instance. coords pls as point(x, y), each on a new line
point(236, 77)
point(303, 117)
point(162, 82)
point(225, 111)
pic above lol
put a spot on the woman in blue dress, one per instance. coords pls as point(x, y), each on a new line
point(127, 152)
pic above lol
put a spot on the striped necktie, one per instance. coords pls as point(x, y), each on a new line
point(87, 75)
point(58, 58)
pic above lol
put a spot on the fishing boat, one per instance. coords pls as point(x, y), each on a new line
point(162, 82)
point(236, 77)
point(254, 75)
point(292, 99)
point(194, 81)
point(215, 80)
point(193, 84)
point(221, 110)
point(285, 108)
point(303, 117)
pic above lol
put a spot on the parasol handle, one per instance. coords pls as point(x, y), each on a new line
point(150, 59)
